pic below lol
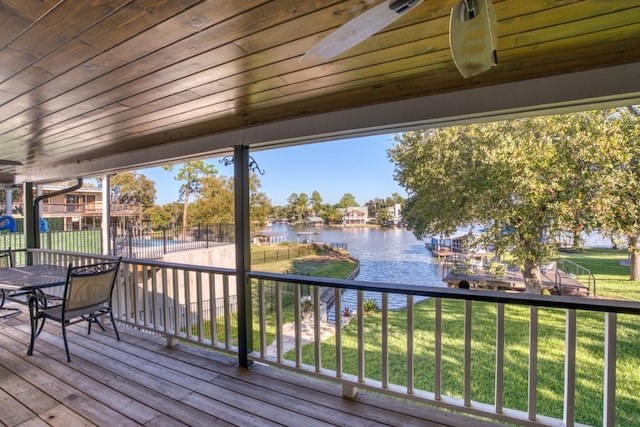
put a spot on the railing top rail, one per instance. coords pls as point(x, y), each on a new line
point(551, 301)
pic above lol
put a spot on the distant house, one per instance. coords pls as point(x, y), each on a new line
point(395, 215)
point(358, 215)
point(314, 221)
point(78, 209)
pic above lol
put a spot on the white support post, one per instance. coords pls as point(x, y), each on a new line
point(106, 214)
point(9, 200)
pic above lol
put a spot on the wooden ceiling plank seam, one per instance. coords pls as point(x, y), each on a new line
point(57, 85)
point(235, 88)
point(46, 9)
point(50, 32)
point(576, 28)
point(110, 77)
point(571, 13)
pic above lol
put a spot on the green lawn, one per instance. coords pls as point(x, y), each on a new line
point(612, 281)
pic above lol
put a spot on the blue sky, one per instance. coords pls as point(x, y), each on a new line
point(359, 166)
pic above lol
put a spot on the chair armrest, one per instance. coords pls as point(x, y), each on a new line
point(38, 301)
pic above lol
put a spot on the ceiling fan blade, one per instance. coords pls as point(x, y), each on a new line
point(10, 163)
point(473, 37)
point(359, 29)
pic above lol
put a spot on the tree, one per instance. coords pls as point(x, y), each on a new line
point(259, 203)
point(375, 206)
point(216, 202)
point(618, 183)
point(523, 179)
point(132, 187)
point(316, 202)
point(348, 200)
point(297, 206)
point(331, 214)
point(190, 173)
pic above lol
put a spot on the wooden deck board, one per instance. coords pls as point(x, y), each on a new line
point(141, 381)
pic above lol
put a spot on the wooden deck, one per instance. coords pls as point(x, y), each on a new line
point(514, 281)
point(141, 381)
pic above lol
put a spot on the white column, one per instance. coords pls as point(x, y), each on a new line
point(9, 200)
point(106, 214)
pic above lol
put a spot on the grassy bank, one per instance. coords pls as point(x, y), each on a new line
point(322, 263)
point(612, 281)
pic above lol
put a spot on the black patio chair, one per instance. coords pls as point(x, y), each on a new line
point(87, 296)
point(6, 261)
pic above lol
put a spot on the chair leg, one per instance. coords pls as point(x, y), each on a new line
point(66, 345)
point(113, 322)
point(34, 333)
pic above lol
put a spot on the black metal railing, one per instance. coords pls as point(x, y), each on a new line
point(149, 244)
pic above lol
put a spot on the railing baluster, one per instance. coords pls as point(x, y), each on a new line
point(135, 286)
point(144, 287)
point(278, 308)
point(360, 297)
point(533, 363)
point(213, 310)
point(570, 369)
point(384, 348)
point(227, 312)
point(199, 305)
point(297, 296)
point(499, 384)
point(154, 295)
point(610, 341)
point(338, 322)
point(262, 320)
point(165, 301)
point(467, 352)
point(317, 326)
point(188, 322)
point(410, 361)
point(176, 302)
point(437, 377)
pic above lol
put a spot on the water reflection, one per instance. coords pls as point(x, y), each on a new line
point(386, 255)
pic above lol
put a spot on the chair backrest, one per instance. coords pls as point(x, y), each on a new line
point(90, 285)
point(6, 260)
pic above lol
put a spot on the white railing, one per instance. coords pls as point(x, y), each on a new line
point(441, 358)
point(547, 318)
point(177, 301)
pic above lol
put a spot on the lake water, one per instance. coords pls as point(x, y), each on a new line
point(388, 255)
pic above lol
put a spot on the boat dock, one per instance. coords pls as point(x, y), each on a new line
point(555, 281)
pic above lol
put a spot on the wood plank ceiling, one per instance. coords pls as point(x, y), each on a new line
point(85, 80)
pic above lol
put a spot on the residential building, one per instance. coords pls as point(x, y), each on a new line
point(357, 215)
point(79, 209)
